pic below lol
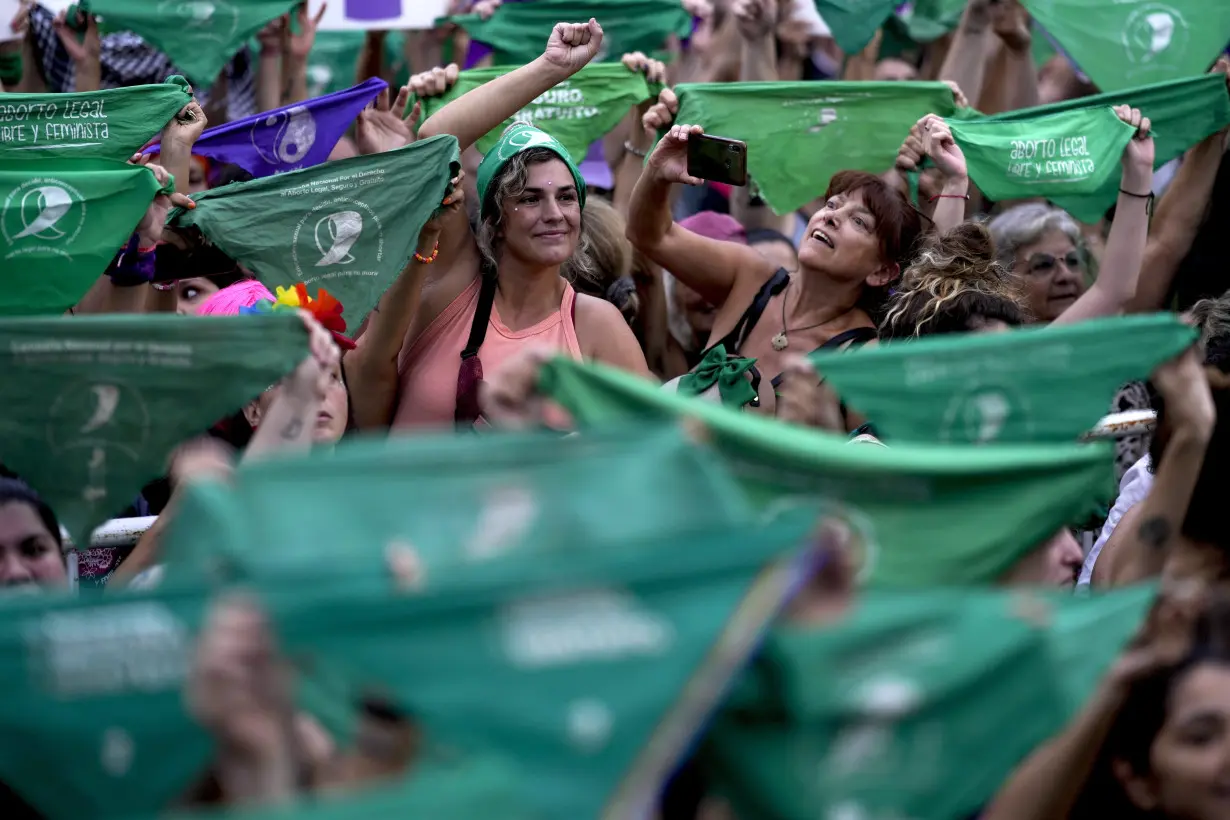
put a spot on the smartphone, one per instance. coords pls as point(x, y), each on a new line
point(717, 159)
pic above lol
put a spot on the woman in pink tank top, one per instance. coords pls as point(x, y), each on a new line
point(505, 286)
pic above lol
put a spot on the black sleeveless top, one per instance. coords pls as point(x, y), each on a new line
point(734, 340)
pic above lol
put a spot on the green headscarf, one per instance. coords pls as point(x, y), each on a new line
point(519, 137)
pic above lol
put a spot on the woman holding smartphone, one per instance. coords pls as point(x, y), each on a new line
point(855, 247)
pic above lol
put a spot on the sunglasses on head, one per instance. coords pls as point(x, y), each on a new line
point(1041, 264)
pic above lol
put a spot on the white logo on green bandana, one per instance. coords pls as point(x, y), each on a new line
point(41, 209)
point(326, 243)
point(106, 400)
point(214, 20)
point(979, 415)
point(528, 138)
point(342, 230)
point(294, 134)
point(1153, 30)
point(117, 752)
point(826, 116)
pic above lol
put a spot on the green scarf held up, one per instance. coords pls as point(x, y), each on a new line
point(729, 374)
point(1048, 384)
point(1182, 113)
point(577, 112)
point(460, 500)
point(928, 20)
point(452, 788)
point(559, 637)
point(854, 22)
point(799, 134)
point(1135, 42)
point(915, 704)
point(1075, 153)
point(91, 407)
point(350, 226)
point(112, 124)
point(200, 36)
point(933, 514)
point(63, 221)
point(518, 32)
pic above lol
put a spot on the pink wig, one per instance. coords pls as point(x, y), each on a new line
point(233, 298)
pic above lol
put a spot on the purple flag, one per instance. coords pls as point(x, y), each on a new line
point(288, 138)
point(594, 168)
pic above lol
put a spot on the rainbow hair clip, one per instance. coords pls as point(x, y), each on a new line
point(325, 308)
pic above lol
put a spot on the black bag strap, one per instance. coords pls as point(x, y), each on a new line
point(854, 336)
point(482, 316)
point(733, 341)
point(470, 371)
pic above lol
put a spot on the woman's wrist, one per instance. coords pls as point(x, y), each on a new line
point(428, 242)
point(955, 186)
point(551, 71)
point(1137, 181)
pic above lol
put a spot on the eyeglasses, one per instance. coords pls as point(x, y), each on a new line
point(1043, 264)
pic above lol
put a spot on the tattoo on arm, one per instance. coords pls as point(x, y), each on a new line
point(1155, 532)
point(291, 431)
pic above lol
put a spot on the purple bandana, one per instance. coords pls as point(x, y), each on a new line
point(288, 138)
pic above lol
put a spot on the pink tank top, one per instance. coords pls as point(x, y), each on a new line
point(429, 367)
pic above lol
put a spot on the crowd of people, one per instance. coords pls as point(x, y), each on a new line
point(500, 454)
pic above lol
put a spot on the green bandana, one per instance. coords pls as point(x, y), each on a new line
point(200, 36)
point(1076, 153)
point(457, 500)
point(91, 407)
point(63, 222)
point(518, 31)
point(928, 20)
point(854, 22)
point(350, 226)
point(799, 134)
point(577, 112)
point(1182, 112)
point(559, 638)
point(1134, 42)
point(520, 137)
point(977, 510)
point(729, 373)
point(916, 704)
point(95, 714)
point(1047, 384)
point(112, 124)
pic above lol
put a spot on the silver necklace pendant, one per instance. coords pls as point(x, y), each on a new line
point(780, 342)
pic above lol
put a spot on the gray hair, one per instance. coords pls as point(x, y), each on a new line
point(1025, 224)
point(511, 182)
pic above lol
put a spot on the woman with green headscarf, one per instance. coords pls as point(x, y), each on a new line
point(505, 285)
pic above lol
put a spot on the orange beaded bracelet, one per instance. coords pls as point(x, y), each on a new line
point(427, 260)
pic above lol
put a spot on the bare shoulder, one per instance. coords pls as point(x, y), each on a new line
point(604, 335)
point(595, 318)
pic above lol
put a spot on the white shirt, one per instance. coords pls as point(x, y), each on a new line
point(1136, 483)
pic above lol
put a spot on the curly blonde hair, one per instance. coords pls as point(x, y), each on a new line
point(954, 284)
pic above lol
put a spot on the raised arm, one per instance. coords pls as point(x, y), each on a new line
point(470, 116)
point(1121, 262)
point(710, 267)
point(1138, 548)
